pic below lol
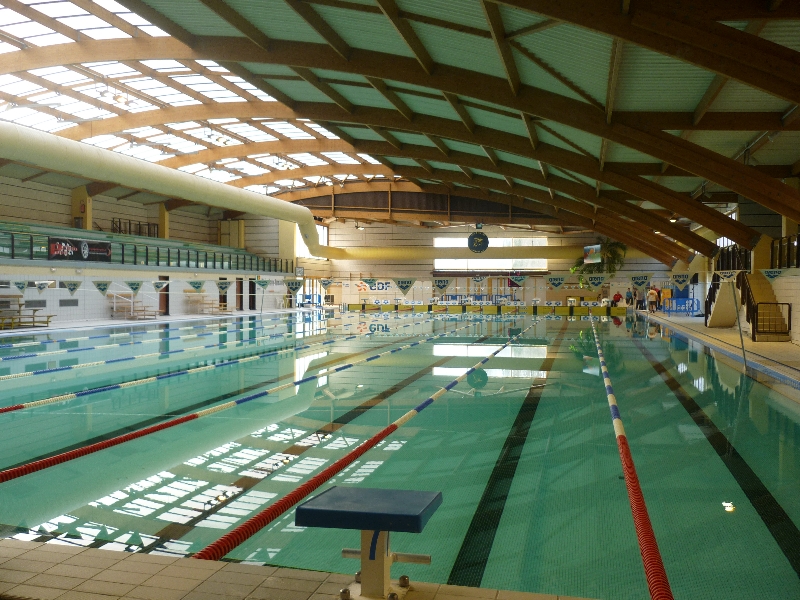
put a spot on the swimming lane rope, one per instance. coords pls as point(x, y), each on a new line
point(51, 461)
point(246, 530)
point(657, 581)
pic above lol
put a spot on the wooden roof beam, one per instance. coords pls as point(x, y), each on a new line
point(155, 17)
point(309, 77)
point(439, 143)
point(237, 21)
point(176, 203)
point(404, 29)
point(393, 99)
point(535, 28)
point(498, 31)
point(387, 137)
point(530, 127)
point(613, 76)
point(462, 113)
point(323, 29)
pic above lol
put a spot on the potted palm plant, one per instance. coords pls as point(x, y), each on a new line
point(612, 258)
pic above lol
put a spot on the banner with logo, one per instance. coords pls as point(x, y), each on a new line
point(516, 280)
point(43, 285)
point(197, 286)
point(404, 284)
point(727, 275)
point(640, 280)
point(21, 286)
point(680, 280)
point(262, 283)
point(442, 284)
point(326, 283)
point(159, 285)
point(223, 286)
point(771, 274)
point(294, 285)
point(591, 254)
point(135, 286)
point(370, 281)
point(102, 286)
point(479, 280)
point(72, 286)
point(556, 280)
point(83, 250)
point(595, 280)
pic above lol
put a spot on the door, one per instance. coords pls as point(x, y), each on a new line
point(223, 296)
point(252, 295)
point(163, 297)
point(239, 293)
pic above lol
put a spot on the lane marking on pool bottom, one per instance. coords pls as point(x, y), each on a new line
point(246, 530)
point(143, 381)
point(656, 575)
point(777, 521)
point(32, 467)
point(473, 555)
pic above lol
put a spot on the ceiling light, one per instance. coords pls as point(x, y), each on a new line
point(359, 227)
point(119, 98)
point(673, 220)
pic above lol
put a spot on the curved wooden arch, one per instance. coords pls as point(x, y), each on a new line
point(547, 105)
point(322, 171)
point(491, 138)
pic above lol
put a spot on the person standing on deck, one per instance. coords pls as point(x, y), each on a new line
point(628, 297)
point(652, 300)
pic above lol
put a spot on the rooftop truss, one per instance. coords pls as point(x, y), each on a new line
point(628, 119)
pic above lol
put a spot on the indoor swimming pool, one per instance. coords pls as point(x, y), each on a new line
point(523, 449)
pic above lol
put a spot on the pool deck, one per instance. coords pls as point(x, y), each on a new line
point(46, 571)
point(780, 357)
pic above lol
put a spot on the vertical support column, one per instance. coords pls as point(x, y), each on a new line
point(163, 222)
point(789, 227)
point(375, 564)
point(241, 242)
point(81, 208)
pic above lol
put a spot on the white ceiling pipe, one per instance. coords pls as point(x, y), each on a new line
point(51, 152)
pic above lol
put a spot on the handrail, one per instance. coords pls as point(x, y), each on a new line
point(778, 317)
point(785, 252)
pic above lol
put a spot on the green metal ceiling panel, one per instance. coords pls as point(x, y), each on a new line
point(403, 162)
point(339, 75)
point(414, 139)
point(515, 20)
point(620, 153)
point(495, 121)
point(299, 90)
point(429, 106)
point(653, 82)
point(62, 181)
point(362, 133)
point(443, 166)
point(587, 141)
point(680, 184)
point(464, 147)
point(463, 12)
point(195, 17)
point(275, 19)
point(532, 74)
point(459, 49)
point(362, 96)
point(783, 150)
point(726, 143)
point(582, 56)
point(738, 97)
point(548, 138)
point(570, 175)
point(364, 30)
point(518, 160)
point(410, 86)
point(482, 173)
point(264, 69)
point(786, 33)
point(18, 171)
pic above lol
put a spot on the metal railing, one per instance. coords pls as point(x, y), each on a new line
point(128, 227)
point(32, 246)
point(785, 253)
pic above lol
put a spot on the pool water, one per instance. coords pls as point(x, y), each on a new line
point(526, 457)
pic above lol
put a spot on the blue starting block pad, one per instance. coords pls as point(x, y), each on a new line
point(369, 509)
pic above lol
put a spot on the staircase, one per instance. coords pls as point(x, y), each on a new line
point(769, 319)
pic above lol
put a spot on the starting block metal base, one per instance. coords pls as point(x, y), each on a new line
point(356, 591)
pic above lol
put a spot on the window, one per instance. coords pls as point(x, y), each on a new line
point(300, 248)
point(490, 264)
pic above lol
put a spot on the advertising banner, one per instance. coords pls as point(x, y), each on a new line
point(404, 284)
point(640, 280)
point(516, 280)
point(83, 250)
point(773, 274)
point(21, 285)
point(197, 286)
point(294, 286)
point(556, 280)
point(326, 283)
point(102, 286)
point(442, 284)
point(262, 283)
point(43, 285)
point(595, 281)
point(728, 275)
point(159, 285)
point(223, 286)
point(680, 280)
point(135, 286)
point(591, 254)
point(72, 286)
point(370, 281)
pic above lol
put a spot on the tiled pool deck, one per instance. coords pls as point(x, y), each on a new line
point(46, 571)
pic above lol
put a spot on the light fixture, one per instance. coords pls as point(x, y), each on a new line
point(359, 227)
point(120, 99)
point(673, 220)
point(728, 506)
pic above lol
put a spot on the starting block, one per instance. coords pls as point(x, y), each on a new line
point(376, 512)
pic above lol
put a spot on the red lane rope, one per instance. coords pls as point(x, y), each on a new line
point(235, 537)
point(38, 465)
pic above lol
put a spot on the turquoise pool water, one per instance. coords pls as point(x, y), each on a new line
point(527, 463)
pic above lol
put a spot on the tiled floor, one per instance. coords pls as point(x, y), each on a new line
point(32, 570)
